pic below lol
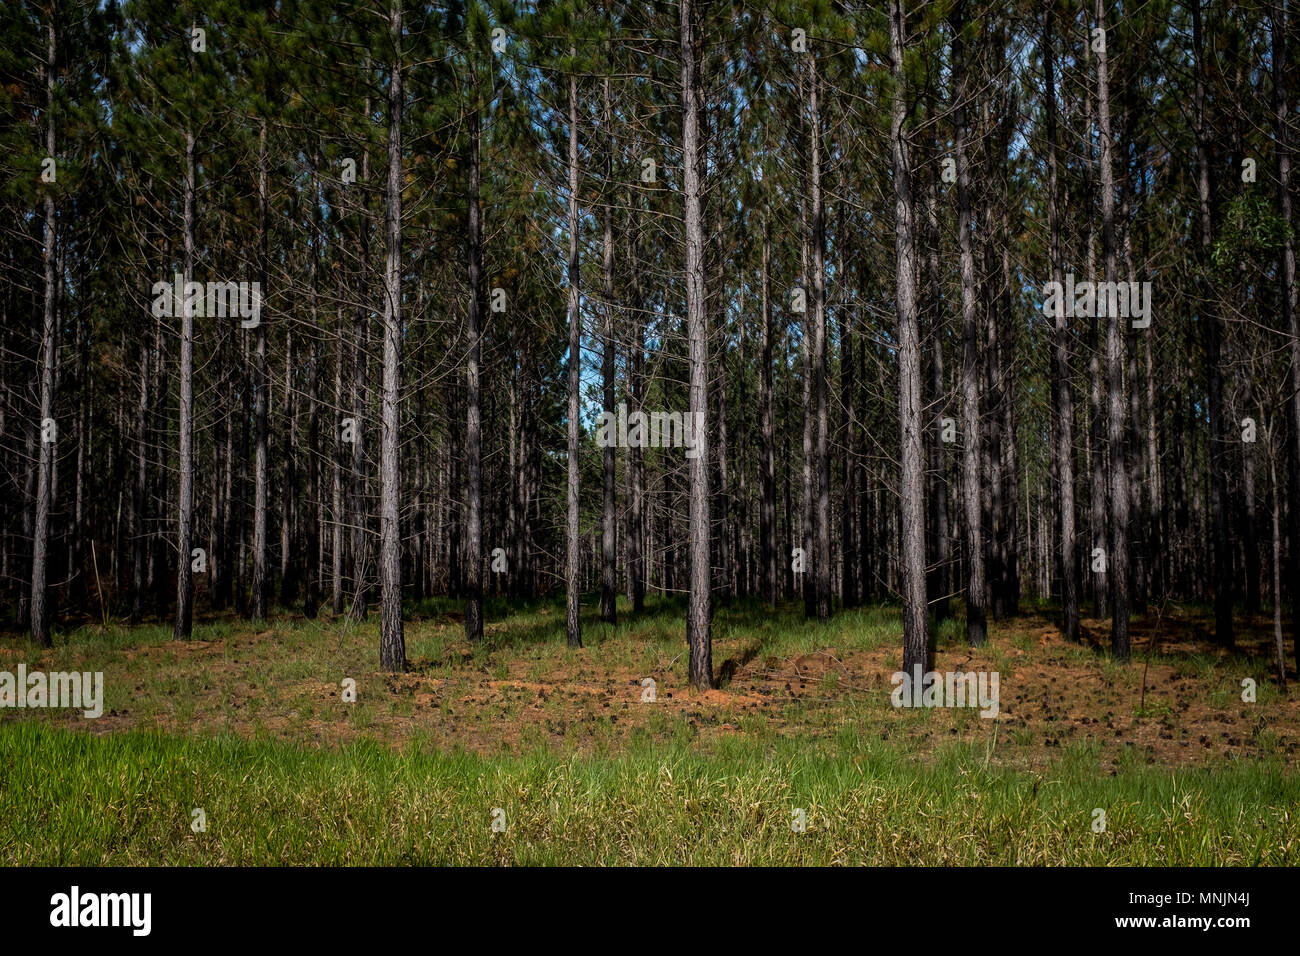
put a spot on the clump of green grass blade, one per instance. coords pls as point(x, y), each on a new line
point(127, 799)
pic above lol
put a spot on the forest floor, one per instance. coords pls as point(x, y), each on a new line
point(805, 698)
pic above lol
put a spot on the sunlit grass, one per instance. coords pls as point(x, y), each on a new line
point(76, 799)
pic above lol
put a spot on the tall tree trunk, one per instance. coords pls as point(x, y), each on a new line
point(289, 492)
point(1249, 534)
point(1290, 314)
point(45, 428)
point(360, 397)
point(1209, 311)
point(1277, 570)
point(311, 597)
point(699, 611)
point(976, 632)
point(261, 386)
point(338, 512)
point(518, 477)
point(849, 549)
point(636, 531)
point(608, 542)
point(939, 546)
point(392, 643)
point(767, 508)
point(140, 491)
point(185, 504)
point(474, 412)
point(917, 650)
point(573, 556)
point(1118, 558)
point(1096, 449)
point(822, 461)
point(1062, 387)
point(808, 505)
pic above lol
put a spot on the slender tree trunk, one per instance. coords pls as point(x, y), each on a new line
point(45, 428)
point(636, 542)
point(360, 397)
point(722, 487)
point(822, 461)
point(141, 490)
point(261, 386)
point(474, 412)
point(1096, 449)
point(1249, 534)
point(976, 632)
point(917, 651)
point(359, 511)
point(185, 509)
point(573, 556)
point(217, 570)
point(289, 492)
point(807, 505)
point(939, 547)
point(311, 598)
point(767, 508)
point(1277, 571)
point(1137, 465)
point(338, 516)
point(1290, 315)
point(1209, 311)
point(518, 477)
point(699, 612)
point(392, 643)
point(1118, 557)
point(1063, 390)
point(849, 549)
point(608, 541)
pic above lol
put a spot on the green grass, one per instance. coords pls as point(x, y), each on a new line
point(126, 799)
point(247, 722)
